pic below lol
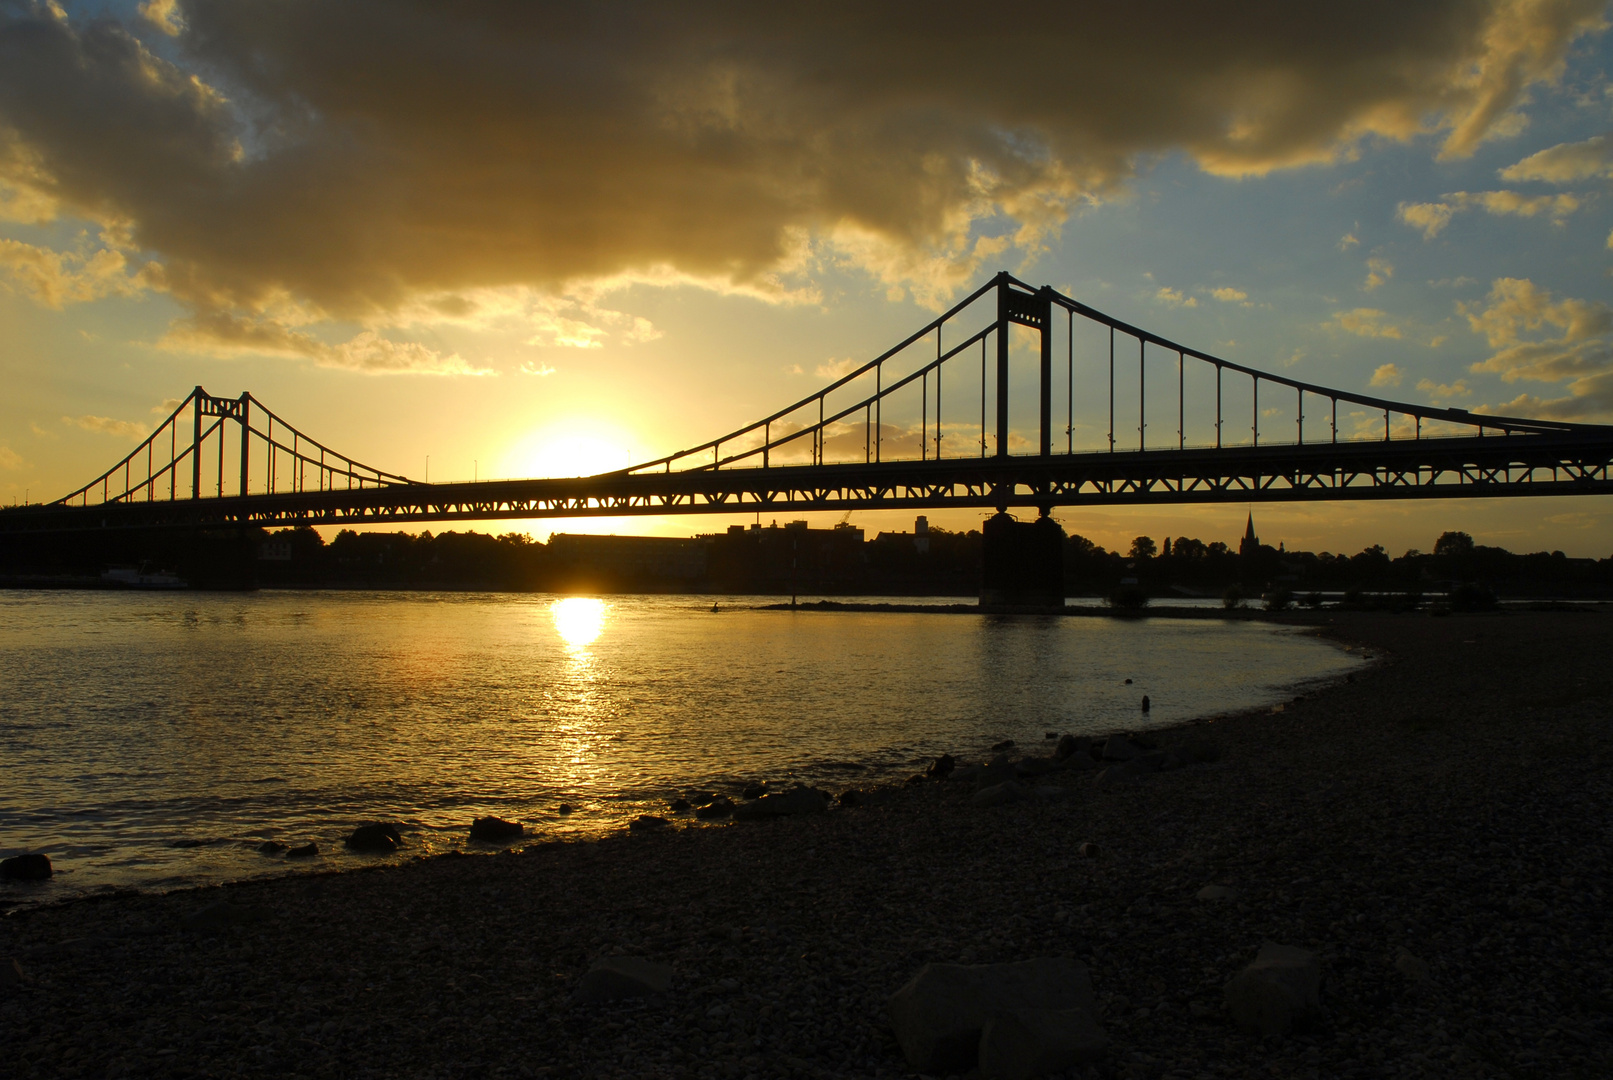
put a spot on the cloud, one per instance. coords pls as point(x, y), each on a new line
point(542, 371)
point(1439, 392)
point(223, 334)
point(1431, 218)
point(1175, 298)
point(127, 429)
point(833, 369)
point(10, 460)
point(1365, 322)
point(1566, 162)
point(1378, 272)
point(1348, 241)
point(1387, 375)
point(1540, 339)
point(1228, 295)
point(57, 278)
point(356, 157)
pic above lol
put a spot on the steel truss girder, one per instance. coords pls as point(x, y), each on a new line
point(1577, 463)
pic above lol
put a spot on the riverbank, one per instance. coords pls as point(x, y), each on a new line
point(1449, 802)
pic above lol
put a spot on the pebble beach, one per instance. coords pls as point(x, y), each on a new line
point(1437, 830)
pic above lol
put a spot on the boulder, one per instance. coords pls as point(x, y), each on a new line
point(1069, 746)
point(849, 797)
point(998, 794)
point(1026, 1043)
point(34, 866)
point(381, 837)
point(716, 808)
point(563, 808)
point(1006, 744)
point(307, 851)
point(678, 806)
point(494, 830)
point(11, 976)
point(939, 1016)
point(1088, 850)
point(754, 791)
point(1217, 892)
point(271, 847)
point(1281, 988)
point(1414, 968)
point(996, 771)
point(798, 800)
point(942, 767)
point(1120, 748)
point(646, 822)
point(1035, 766)
point(614, 977)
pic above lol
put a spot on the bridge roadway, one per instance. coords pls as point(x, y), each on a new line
point(1574, 462)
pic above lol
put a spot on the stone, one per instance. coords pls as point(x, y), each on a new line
point(34, 866)
point(754, 791)
point(1281, 988)
point(849, 797)
point(307, 851)
point(645, 822)
point(1026, 1043)
point(939, 1016)
point(915, 779)
point(942, 767)
point(1120, 748)
point(271, 847)
point(614, 977)
point(678, 806)
point(11, 976)
point(798, 800)
point(1069, 746)
point(996, 771)
point(1088, 850)
point(381, 838)
point(716, 808)
point(1217, 892)
point(1035, 766)
point(220, 916)
point(494, 830)
point(563, 808)
point(1006, 744)
point(1051, 792)
point(1414, 968)
point(998, 794)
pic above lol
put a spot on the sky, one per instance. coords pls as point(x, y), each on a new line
point(540, 239)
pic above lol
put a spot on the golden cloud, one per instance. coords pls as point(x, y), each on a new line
point(1566, 162)
point(106, 425)
point(1544, 340)
point(358, 157)
point(1387, 375)
point(1366, 322)
point(1432, 218)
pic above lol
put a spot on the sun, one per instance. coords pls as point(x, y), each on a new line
point(578, 620)
point(577, 448)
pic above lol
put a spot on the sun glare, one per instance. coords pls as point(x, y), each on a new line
point(578, 620)
point(573, 452)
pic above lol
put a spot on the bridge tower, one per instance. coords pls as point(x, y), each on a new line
point(1022, 563)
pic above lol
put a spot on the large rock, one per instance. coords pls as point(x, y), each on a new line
point(380, 837)
point(996, 771)
point(716, 808)
point(940, 1014)
point(942, 767)
point(1282, 987)
point(495, 830)
point(1068, 746)
point(1120, 748)
point(34, 866)
point(1026, 1043)
point(799, 800)
point(1035, 766)
point(998, 794)
point(615, 977)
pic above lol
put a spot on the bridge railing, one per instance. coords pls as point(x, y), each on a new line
point(194, 465)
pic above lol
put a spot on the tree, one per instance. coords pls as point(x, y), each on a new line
point(1453, 543)
point(1143, 548)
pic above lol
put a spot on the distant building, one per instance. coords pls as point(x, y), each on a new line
point(920, 536)
point(1249, 546)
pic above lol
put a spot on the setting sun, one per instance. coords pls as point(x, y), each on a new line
point(583, 449)
point(578, 620)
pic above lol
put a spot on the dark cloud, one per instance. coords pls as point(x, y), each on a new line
point(364, 159)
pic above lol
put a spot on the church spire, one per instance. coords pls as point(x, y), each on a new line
point(1250, 542)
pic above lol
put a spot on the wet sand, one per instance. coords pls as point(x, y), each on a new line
point(1453, 801)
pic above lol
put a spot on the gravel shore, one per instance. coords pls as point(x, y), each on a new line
point(1452, 803)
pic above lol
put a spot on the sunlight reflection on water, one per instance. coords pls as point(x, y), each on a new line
point(155, 739)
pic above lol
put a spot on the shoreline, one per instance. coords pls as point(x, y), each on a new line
point(1450, 802)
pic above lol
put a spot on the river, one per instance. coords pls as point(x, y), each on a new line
point(153, 740)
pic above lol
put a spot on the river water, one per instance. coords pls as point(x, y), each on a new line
point(152, 740)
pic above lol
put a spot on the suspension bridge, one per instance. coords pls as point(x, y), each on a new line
point(965, 412)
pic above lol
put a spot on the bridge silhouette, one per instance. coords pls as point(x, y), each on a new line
point(878, 437)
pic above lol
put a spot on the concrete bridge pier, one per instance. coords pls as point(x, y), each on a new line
point(1021, 563)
